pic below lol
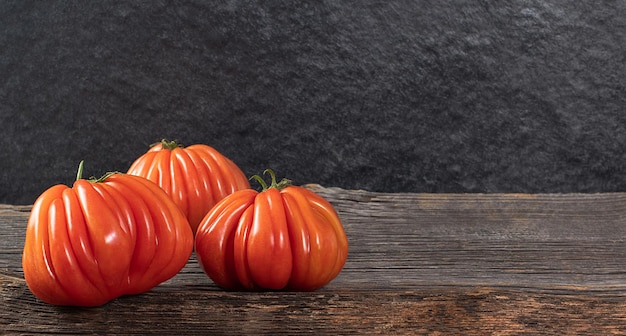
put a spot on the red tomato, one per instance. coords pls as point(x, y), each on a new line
point(196, 177)
point(102, 239)
point(284, 237)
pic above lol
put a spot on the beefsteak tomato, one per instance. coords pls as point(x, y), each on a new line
point(101, 239)
point(195, 177)
point(282, 238)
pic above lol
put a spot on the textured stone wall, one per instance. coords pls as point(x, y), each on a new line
point(394, 96)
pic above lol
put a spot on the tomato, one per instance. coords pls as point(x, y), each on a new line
point(196, 177)
point(101, 239)
point(282, 238)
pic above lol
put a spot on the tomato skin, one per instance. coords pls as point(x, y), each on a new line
point(195, 177)
point(287, 239)
point(97, 241)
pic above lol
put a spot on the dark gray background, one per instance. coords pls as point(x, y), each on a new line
point(395, 96)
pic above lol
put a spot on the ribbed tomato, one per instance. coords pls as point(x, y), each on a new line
point(282, 238)
point(196, 177)
point(101, 239)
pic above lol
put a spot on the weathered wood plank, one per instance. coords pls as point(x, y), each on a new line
point(444, 310)
point(521, 240)
point(431, 263)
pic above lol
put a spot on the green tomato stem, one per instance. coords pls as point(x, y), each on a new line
point(278, 185)
point(79, 174)
point(170, 144)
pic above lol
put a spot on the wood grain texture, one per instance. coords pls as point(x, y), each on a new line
point(504, 264)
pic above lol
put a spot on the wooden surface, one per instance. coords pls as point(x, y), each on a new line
point(440, 264)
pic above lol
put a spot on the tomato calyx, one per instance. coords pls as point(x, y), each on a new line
point(284, 183)
point(165, 144)
point(93, 179)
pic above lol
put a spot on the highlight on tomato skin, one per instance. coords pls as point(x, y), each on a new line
point(195, 177)
point(284, 237)
point(103, 238)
